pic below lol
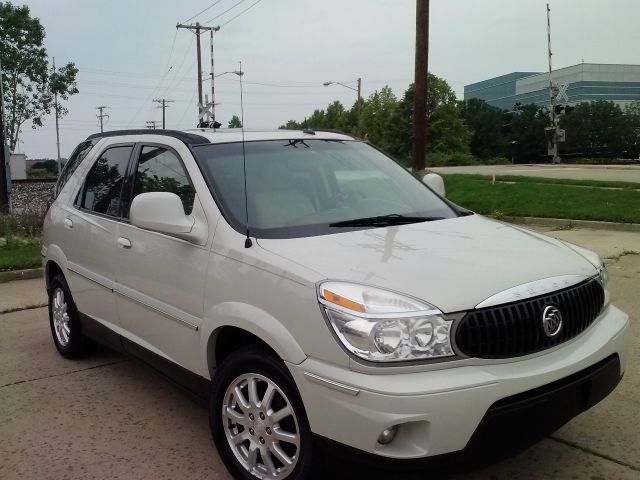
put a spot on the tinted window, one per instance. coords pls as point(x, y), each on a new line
point(103, 187)
point(304, 187)
point(75, 159)
point(160, 170)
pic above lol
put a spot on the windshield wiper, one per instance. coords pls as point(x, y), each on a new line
point(383, 221)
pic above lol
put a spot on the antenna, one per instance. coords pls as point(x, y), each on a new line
point(247, 243)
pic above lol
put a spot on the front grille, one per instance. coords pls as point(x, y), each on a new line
point(515, 329)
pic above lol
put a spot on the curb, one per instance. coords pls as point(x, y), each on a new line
point(568, 223)
point(604, 166)
point(20, 274)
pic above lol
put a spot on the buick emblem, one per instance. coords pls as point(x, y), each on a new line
point(551, 321)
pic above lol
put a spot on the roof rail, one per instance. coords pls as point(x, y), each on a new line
point(187, 138)
point(328, 130)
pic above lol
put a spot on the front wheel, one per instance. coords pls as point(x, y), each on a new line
point(258, 420)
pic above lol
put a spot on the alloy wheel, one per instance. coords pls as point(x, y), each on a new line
point(261, 426)
point(60, 313)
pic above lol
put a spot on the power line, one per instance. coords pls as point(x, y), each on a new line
point(155, 89)
point(243, 11)
point(187, 108)
point(228, 9)
point(152, 124)
point(202, 11)
point(173, 44)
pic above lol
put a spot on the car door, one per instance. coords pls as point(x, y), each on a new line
point(91, 226)
point(160, 279)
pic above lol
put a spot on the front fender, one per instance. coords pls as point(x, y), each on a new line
point(253, 320)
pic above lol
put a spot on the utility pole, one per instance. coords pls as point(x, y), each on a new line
point(359, 106)
point(197, 29)
point(57, 113)
point(152, 124)
point(163, 105)
point(4, 155)
point(418, 149)
point(101, 116)
point(554, 143)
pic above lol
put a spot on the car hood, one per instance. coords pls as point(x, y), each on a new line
point(453, 264)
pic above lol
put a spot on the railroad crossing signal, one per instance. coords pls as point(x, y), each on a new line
point(206, 117)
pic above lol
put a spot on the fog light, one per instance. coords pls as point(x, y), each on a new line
point(388, 435)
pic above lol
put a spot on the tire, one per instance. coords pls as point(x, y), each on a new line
point(259, 423)
point(65, 322)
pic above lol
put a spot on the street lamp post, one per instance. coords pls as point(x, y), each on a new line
point(211, 76)
point(359, 90)
point(235, 72)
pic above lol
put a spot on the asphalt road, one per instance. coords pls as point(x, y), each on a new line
point(575, 172)
point(110, 417)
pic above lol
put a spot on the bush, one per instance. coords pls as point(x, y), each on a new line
point(18, 230)
point(35, 173)
point(439, 159)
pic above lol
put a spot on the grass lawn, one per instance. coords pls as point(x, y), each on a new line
point(545, 197)
point(19, 257)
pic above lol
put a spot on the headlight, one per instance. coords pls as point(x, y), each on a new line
point(604, 279)
point(603, 276)
point(383, 326)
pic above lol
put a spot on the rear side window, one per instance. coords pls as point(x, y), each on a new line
point(160, 170)
point(102, 192)
point(75, 159)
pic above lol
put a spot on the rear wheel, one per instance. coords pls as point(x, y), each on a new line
point(258, 420)
point(65, 322)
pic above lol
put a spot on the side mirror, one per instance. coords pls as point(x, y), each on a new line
point(161, 212)
point(435, 182)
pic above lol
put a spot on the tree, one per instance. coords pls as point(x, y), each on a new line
point(377, 114)
point(446, 129)
point(388, 122)
point(335, 117)
point(29, 84)
point(596, 129)
point(525, 133)
point(49, 165)
point(631, 133)
point(485, 122)
point(293, 125)
point(235, 122)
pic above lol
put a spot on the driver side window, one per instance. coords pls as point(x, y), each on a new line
point(160, 170)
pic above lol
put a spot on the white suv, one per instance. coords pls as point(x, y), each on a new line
point(323, 299)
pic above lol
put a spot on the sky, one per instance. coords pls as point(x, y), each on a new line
point(129, 53)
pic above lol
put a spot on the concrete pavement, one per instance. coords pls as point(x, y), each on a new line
point(22, 294)
point(625, 173)
point(109, 417)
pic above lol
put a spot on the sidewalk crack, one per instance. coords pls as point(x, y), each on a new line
point(592, 452)
point(65, 373)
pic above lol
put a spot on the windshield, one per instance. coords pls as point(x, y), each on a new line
point(298, 188)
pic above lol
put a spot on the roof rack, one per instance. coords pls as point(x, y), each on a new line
point(312, 131)
point(187, 138)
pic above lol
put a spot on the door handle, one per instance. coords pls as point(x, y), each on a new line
point(123, 242)
point(68, 223)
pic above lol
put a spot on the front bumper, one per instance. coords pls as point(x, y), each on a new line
point(465, 408)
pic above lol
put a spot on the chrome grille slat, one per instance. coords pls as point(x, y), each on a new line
point(515, 329)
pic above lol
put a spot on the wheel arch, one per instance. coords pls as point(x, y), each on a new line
point(239, 325)
point(55, 263)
